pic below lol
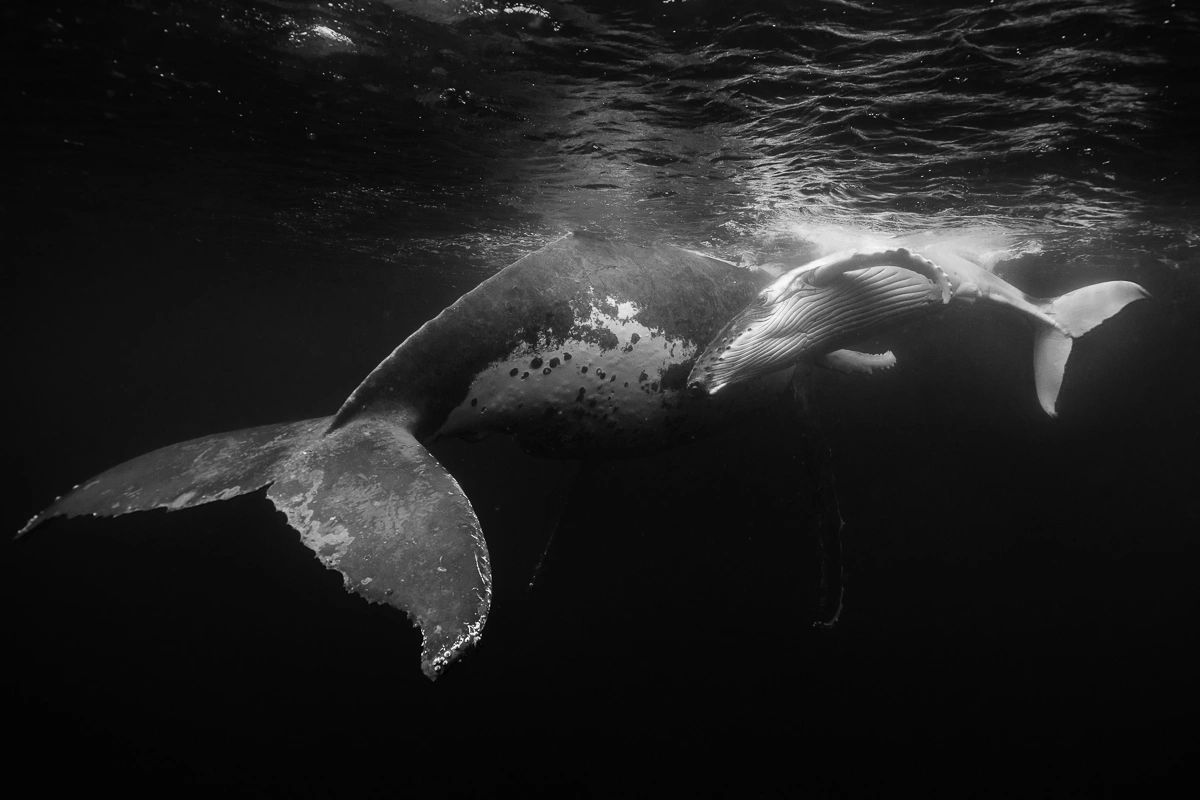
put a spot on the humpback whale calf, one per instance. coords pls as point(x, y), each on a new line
point(805, 312)
point(582, 348)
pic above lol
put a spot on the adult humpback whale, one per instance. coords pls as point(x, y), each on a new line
point(581, 348)
point(805, 313)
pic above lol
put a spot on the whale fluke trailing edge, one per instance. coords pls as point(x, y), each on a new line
point(367, 498)
point(1072, 315)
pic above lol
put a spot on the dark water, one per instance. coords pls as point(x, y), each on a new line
point(222, 214)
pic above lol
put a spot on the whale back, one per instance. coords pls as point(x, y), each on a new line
point(579, 301)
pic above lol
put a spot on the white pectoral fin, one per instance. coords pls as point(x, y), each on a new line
point(825, 270)
point(853, 362)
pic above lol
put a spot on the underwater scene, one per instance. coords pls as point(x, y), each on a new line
point(832, 433)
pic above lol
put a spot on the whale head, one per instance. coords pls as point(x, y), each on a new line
point(805, 313)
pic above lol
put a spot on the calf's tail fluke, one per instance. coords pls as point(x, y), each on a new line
point(367, 498)
point(1074, 313)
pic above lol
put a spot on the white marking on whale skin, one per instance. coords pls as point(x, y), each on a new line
point(325, 32)
point(181, 501)
point(621, 383)
point(330, 541)
point(319, 40)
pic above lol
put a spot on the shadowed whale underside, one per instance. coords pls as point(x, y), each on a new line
point(581, 348)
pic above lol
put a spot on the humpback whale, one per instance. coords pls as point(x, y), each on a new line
point(582, 348)
point(806, 313)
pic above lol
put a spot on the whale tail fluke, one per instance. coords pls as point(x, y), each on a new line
point(367, 498)
point(1075, 313)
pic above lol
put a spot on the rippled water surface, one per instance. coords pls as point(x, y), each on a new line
point(219, 214)
point(392, 128)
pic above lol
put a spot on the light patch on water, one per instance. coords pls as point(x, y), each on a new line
point(521, 8)
point(329, 34)
point(826, 238)
point(791, 242)
point(320, 40)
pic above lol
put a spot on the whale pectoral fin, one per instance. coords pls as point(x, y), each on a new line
point(853, 362)
point(839, 264)
point(375, 505)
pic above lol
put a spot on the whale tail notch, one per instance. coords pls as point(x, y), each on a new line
point(367, 498)
point(1074, 314)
